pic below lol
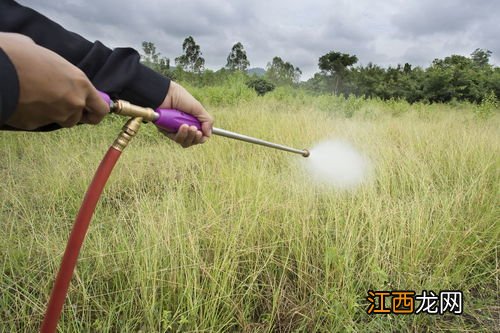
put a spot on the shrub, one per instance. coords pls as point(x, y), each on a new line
point(261, 86)
point(488, 106)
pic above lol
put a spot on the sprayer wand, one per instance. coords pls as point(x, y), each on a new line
point(170, 120)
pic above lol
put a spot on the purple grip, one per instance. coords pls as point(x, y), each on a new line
point(105, 97)
point(170, 120)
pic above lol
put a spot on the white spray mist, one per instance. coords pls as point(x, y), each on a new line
point(337, 164)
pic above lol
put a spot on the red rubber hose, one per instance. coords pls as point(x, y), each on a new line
point(63, 279)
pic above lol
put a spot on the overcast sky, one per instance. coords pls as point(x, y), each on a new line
point(387, 33)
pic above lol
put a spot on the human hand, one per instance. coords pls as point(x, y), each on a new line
point(52, 90)
point(180, 99)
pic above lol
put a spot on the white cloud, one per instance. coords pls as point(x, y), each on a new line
point(389, 32)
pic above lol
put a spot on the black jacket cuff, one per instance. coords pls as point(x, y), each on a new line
point(9, 88)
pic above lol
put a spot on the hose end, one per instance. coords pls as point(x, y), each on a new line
point(306, 153)
point(129, 130)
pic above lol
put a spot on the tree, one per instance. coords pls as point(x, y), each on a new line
point(282, 72)
point(192, 59)
point(336, 64)
point(407, 68)
point(455, 77)
point(152, 59)
point(481, 57)
point(237, 58)
point(368, 81)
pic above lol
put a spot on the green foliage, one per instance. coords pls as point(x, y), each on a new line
point(492, 81)
point(351, 105)
point(206, 78)
point(489, 106)
point(454, 77)
point(282, 72)
point(232, 91)
point(336, 64)
point(153, 59)
point(192, 59)
point(481, 57)
point(237, 58)
point(260, 85)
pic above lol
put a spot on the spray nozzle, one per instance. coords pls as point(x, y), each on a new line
point(170, 120)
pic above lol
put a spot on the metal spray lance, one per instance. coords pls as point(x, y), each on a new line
point(170, 120)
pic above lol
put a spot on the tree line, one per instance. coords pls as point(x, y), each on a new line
point(455, 77)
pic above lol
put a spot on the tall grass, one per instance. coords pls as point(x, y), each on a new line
point(230, 237)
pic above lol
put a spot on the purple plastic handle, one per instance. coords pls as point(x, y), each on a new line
point(105, 97)
point(169, 119)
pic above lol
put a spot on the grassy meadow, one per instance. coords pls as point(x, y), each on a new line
point(231, 237)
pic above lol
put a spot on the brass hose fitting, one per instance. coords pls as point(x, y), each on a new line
point(124, 108)
point(129, 130)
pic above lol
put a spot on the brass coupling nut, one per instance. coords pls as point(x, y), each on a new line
point(129, 130)
point(124, 108)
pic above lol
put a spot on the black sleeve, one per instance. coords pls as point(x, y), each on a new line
point(9, 87)
point(117, 72)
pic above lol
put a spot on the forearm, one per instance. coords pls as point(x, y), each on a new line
point(117, 72)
